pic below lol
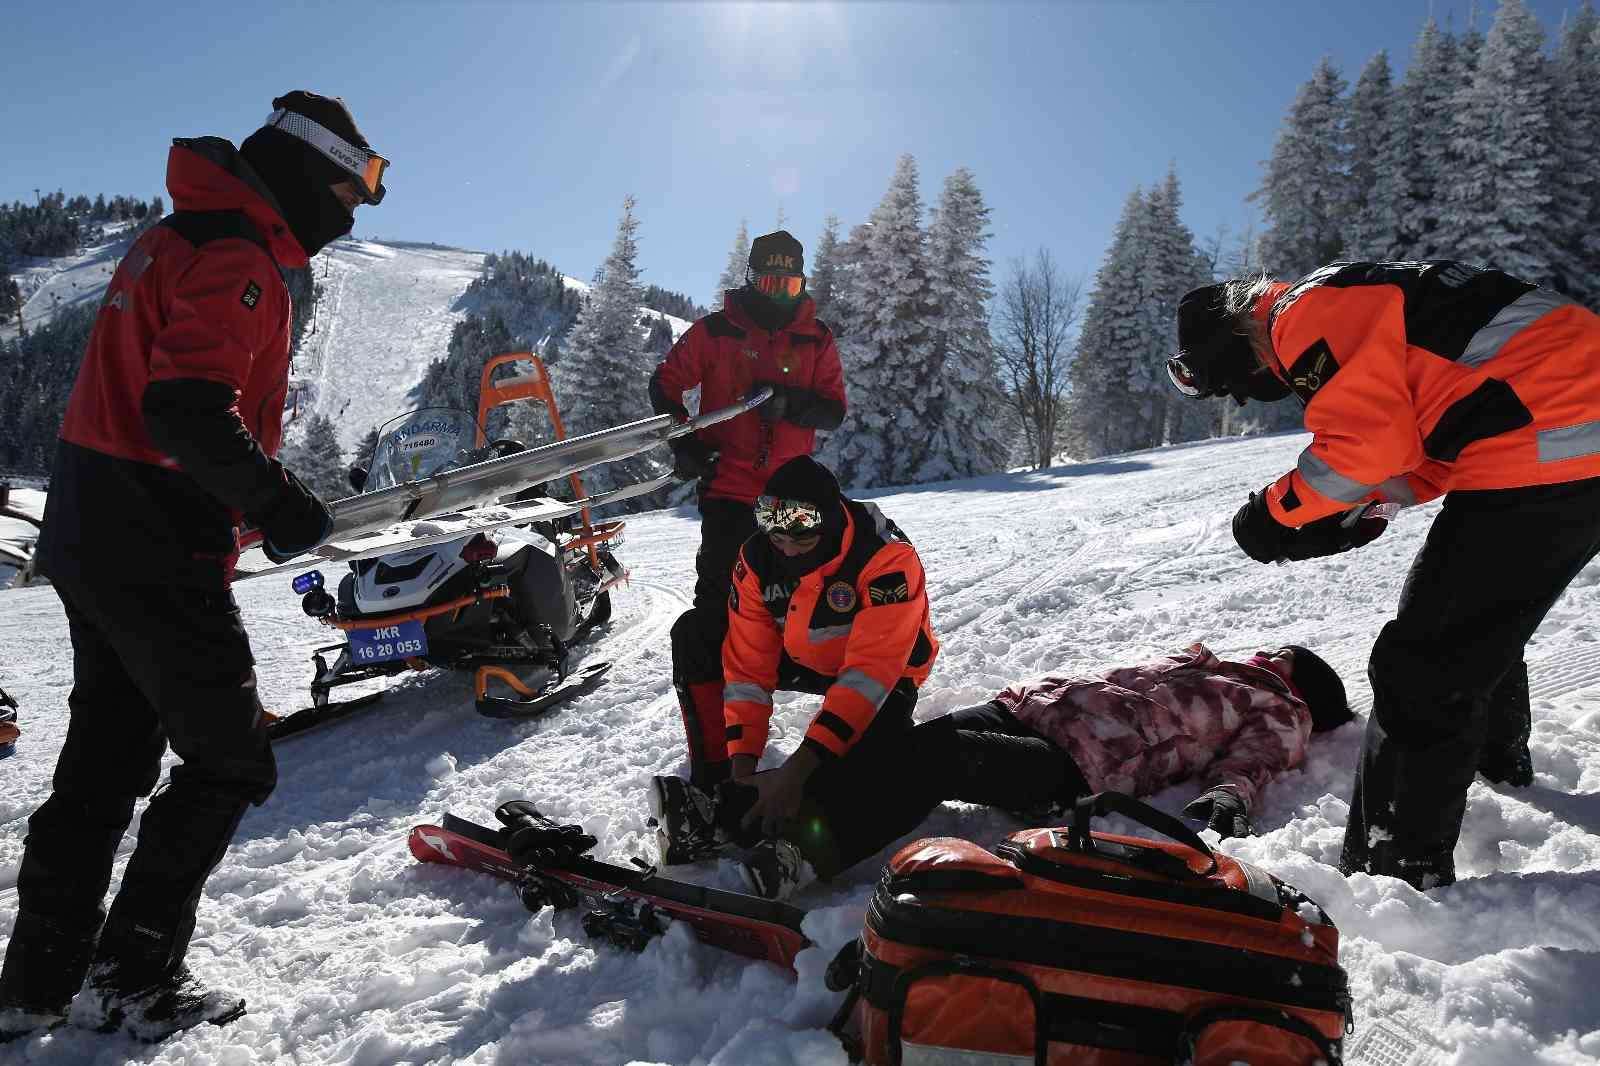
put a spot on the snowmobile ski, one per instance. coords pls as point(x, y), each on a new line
point(309, 718)
point(438, 529)
point(462, 488)
point(626, 907)
point(530, 703)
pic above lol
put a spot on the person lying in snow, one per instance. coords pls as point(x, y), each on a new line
point(1040, 744)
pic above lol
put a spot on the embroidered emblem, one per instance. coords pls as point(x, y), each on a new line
point(251, 295)
point(1314, 369)
point(888, 588)
point(841, 597)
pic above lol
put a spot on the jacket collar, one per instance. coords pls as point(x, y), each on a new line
point(209, 174)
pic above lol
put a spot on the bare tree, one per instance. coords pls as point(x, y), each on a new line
point(1033, 325)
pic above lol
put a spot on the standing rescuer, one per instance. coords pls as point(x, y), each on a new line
point(167, 444)
point(766, 334)
point(1422, 379)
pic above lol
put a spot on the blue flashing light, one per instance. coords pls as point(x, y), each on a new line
point(306, 582)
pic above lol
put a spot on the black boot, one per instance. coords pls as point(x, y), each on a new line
point(136, 987)
point(45, 965)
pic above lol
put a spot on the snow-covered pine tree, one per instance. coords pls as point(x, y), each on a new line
point(1423, 105)
point(1172, 265)
point(824, 272)
point(1575, 134)
point(601, 379)
point(362, 456)
point(1497, 208)
point(738, 262)
point(967, 424)
point(1377, 185)
point(1304, 190)
point(1099, 407)
point(886, 349)
point(316, 458)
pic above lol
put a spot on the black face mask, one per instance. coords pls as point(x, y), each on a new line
point(769, 314)
point(317, 217)
point(300, 179)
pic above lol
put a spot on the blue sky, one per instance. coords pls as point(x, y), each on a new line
point(523, 125)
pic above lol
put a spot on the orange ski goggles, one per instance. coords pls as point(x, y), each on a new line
point(781, 286)
point(363, 164)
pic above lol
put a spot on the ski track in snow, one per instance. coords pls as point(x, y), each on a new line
point(352, 953)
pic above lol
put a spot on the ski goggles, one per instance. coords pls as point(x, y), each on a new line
point(363, 164)
point(781, 286)
point(788, 518)
point(1183, 377)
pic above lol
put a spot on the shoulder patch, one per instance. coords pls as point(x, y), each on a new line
point(251, 295)
point(1314, 369)
point(733, 597)
point(841, 597)
point(889, 588)
point(739, 570)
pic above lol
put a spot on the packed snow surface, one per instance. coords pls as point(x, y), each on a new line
point(350, 952)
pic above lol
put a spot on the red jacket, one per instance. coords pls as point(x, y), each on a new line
point(198, 298)
point(1419, 378)
point(727, 356)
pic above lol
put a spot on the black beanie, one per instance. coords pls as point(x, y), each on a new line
point(1323, 691)
point(1217, 354)
point(777, 253)
point(299, 175)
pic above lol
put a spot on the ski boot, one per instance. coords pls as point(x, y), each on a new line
point(44, 967)
point(146, 995)
point(773, 869)
point(685, 818)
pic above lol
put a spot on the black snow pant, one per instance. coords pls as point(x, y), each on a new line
point(698, 634)
point(1447, 673)
point(152, 665)
point(893, 778)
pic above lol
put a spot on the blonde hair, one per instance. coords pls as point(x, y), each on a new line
point(1239, 298)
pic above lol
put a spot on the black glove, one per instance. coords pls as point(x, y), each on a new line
point(1266, 540)
point(1262, 537)
point(1223, 812)
point(1334, 534)
point(692, 459)
point(295, 522)
point(777, 408)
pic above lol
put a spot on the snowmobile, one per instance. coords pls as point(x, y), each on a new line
point(508, 603)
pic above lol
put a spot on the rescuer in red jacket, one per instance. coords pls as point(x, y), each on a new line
point(1422, 379)
point(167, 444)
point(766, 334)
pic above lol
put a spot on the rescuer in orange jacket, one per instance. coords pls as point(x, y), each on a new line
point(828, 598)
point(767, 333)
point(1422, 379)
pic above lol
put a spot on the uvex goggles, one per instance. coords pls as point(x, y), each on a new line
point(363, 164)
point(790, 518)
point(788, 286)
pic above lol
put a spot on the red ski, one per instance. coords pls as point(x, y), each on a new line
point(624, 906)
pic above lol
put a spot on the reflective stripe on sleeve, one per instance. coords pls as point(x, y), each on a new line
point(1398, 490)
point(744, 691)
point(1328, 481)
point(864, 686)
point(827, 633)
point(1513, 318)
point(1569, 442)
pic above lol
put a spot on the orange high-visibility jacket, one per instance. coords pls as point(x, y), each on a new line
point(1419, 378)
point(861, 619)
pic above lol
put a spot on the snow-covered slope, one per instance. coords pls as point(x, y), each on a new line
point(386, 312)
point(352, 953)
point(50, 284)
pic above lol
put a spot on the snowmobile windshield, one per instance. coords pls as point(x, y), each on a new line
point(420, 444)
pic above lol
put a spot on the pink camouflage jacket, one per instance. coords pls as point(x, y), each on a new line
point(1141, 728)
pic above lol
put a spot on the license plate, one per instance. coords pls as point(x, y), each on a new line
point(383, 644)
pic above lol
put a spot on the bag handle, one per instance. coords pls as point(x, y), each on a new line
point(966, 967)
point(1278, 1019)
point(1103, 803)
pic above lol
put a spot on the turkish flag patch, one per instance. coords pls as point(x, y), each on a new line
point(251, 295)
point(889, 588)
